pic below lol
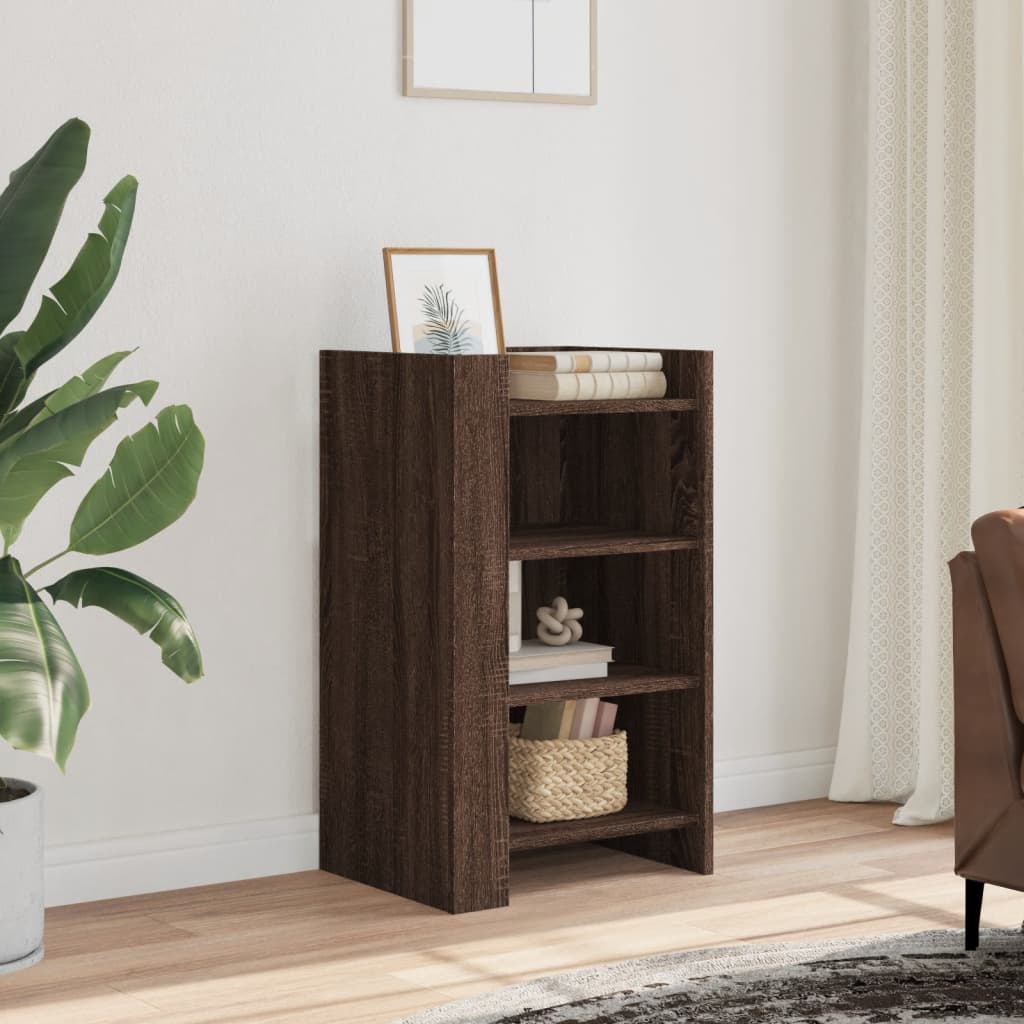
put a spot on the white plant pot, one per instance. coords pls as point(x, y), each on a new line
point(21, 879)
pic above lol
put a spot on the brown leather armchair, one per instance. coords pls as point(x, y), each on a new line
point(988, 661)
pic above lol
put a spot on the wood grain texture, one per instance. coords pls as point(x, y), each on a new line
point(638, 816)
point(529, 543)
point(413, 620)
point(479, 585)
point(671, 755)
point(314, 948)
point(622, 678)
point(531, 407)
point(428, 487)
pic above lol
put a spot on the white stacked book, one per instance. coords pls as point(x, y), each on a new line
point(605, 360)
point(515, 606)
point(585, 376)
point(537, 662)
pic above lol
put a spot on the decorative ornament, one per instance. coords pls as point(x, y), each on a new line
point(558, 624)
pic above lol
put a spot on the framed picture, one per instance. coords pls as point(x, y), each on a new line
point(444, 301)
point(534, 50)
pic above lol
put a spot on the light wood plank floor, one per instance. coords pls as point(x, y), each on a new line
point(314, 948)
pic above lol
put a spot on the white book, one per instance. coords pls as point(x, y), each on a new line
point(597, 361)
point(557, 673)
point(609, 361)
point(537, 654)
point(604, 386)
point(605, 360)
point(583, 387)
point(548, 362)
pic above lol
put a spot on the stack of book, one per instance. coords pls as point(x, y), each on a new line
point(537, 662)
point(515, 606)
point(569, 720)
point(585, 376)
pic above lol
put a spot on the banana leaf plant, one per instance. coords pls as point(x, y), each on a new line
point(150, 482)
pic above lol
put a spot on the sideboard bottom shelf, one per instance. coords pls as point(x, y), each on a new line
point(638, 817)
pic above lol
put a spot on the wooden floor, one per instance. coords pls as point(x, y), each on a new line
point(315, 948)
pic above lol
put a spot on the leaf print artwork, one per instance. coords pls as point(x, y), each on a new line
point(443, 302)
point(445, 327)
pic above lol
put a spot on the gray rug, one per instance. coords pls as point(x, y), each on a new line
point(921, 977)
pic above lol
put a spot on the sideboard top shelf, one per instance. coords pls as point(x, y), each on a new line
point(685, 369)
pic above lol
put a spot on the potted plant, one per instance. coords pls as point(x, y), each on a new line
point(150, 482)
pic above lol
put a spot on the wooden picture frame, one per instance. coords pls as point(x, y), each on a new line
point(449, 297)
point(409, 87)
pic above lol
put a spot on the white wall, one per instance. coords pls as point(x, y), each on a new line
point(709, 200)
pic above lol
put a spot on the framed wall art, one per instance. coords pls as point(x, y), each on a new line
point(444, 301)
point(536, 50)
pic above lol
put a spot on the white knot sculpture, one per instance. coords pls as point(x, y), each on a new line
point(558, 624)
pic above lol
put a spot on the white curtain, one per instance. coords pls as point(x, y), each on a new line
point(997, 453)
point(942, 398)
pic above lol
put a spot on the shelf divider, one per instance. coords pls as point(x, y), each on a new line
point(530, 407)
point(622, 679)
point(534, 543)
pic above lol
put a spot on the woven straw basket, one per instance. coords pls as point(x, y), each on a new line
point(562, 780)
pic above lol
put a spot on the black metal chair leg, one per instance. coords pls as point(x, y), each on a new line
point(973, 893)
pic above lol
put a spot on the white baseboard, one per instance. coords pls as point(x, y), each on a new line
point(279, 846)
point(178, 860)
point(774, 779)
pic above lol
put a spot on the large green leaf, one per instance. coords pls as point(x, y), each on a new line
point(81, 291)
point(64, 429)
point(63, 432)
point(43, 693)
point(18, 420)
point(35, 460)
point(83, 386)
point(149, 484)
point(24, 488)
point(143, 605)
point(30, 209)
point(67, 394)
point(14, 380)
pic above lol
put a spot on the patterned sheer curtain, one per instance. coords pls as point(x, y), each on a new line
point(942, 397)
